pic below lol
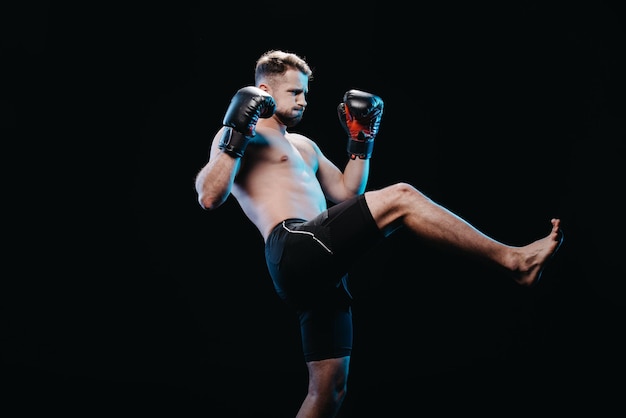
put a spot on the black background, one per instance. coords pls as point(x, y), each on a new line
point(123, 297)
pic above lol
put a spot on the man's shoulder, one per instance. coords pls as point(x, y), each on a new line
point(297, 137)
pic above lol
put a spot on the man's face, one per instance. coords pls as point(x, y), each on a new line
point(289, 93)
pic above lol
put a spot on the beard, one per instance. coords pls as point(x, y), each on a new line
point(288, 120)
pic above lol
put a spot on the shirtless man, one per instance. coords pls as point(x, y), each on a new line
point(283, 182)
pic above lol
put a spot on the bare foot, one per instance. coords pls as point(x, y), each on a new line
point(535, 256)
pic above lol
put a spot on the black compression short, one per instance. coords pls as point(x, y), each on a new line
point(309, 262)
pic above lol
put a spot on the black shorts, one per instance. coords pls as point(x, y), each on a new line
point(309, 262)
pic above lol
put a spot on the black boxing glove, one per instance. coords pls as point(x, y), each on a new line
point(360, 114)
point(246, 107)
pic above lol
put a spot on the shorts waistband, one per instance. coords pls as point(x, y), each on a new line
point(279, 226)
point(288, 221)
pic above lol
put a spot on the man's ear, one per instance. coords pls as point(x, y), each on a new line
point(264, 87)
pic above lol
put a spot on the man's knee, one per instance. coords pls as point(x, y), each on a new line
point(390, 205)
point(402, 189)
point(401, 193)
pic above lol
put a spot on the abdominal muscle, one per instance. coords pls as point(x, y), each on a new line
point(275, 189)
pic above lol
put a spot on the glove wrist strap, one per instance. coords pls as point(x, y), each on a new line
point(360, 149)
point(233, 142)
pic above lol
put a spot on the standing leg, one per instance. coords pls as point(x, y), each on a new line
point(327, 388)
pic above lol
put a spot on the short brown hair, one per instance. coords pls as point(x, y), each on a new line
point(277, 62)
